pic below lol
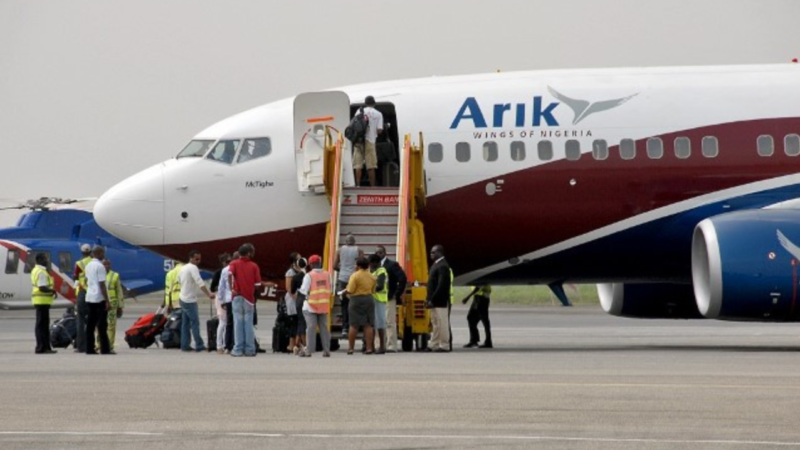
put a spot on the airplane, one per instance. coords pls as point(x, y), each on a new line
point(676, 190)
point(59, 233)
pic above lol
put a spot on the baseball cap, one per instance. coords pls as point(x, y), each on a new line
point(314, 259)
point(86, 248)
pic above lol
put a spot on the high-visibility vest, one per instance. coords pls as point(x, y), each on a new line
point(172, 281)
point(112, 280)
point(484, 291)
point(38, 297)
point(382, 295)
point(452, 290)
point(319, 295)
point(81, 284)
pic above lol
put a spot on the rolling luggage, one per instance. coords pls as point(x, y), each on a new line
point(211, 327)
point(64, 330)
point(280, 337)
point(144, 331)
point(171, 336)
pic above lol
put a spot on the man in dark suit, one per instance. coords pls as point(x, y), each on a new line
point(440, 293)
point(397, 288)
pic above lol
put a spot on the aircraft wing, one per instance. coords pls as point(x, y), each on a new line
point(138, 286)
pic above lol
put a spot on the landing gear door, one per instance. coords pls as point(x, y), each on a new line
point(313, 111)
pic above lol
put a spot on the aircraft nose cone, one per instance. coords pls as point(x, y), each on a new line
point(133, 210)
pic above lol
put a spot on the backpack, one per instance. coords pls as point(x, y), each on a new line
point(356, 132)
point(64, 330)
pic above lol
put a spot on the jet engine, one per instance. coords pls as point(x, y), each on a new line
point(744, 265)
point(648, 301)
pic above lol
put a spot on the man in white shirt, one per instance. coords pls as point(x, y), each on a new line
point(364, 152)
point(224, 298)
point(97, 302)
point(191, 285)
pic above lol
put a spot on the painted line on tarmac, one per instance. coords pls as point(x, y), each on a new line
point(525, 438)
point(78, 433)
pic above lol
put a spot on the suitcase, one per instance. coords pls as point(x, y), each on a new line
point(171, 336)
point(64, 330)
point(211, 328)
point(280, 338)
point(143, 332)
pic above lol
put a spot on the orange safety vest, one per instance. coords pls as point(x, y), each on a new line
point(319, 295)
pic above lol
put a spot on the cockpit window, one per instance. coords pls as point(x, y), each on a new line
point(254, 149)
point(195, 149)
point(224, 151)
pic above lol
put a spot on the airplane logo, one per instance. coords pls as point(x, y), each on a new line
point(790, 246)
point(585, 108)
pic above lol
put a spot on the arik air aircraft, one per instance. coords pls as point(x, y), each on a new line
point(675, 189)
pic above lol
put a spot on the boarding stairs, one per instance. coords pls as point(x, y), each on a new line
point(371, 216)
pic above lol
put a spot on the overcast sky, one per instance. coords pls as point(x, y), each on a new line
point(94, 91)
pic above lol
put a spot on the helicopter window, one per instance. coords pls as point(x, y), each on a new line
point(224, 151)
point(64, 262)
point(254, 149)
point(195, 149)
point(30, 261)
point(12, 262)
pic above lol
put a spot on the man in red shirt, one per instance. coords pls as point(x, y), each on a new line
point(244, 277)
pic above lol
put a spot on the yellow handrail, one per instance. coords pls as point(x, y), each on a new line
point(333, 186)
point(403, 203)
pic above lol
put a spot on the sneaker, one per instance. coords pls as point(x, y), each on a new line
point(296, 350)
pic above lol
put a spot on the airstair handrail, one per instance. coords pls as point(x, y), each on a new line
point(335, 175)
point(404, 202)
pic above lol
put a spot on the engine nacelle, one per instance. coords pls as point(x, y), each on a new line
point(649, 301)
point(744, 265)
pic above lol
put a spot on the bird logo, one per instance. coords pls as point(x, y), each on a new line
point(585, 108)
point(790, 246)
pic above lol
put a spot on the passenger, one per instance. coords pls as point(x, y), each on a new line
point(223, 298)
point(191, 284)
point(229, 309)
point(299, 321)
point(244, 277)
point(97, 302)
point(289, 301)
point(42, 297)
point(479, 312)
point(316, 295)
point(82, 311)
point(364, 153)
point(440, 291)
point(397, 288)
point(116, 302)
point(345, 263)
point(381, 297)
point(361, 312)
point(172, 287)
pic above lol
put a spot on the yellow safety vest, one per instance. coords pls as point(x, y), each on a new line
point(81, 282)
point(382, 295)
point(452, 290)
point(484, 291)
point(173, 282)
point(112, 283)
point(38, 297)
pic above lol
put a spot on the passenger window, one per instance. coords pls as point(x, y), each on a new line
point(12, 262)
point(517, 151)
point(462, 152)
point(627, 149)
point(600, 149)
point(791, 145)
point(435, 152)
point(545, 149)
point(766, 146)
point(490, 151)
point(254, 149)
point(710, 147)
point(65, 262)
point(655, 148)
point(683, 147)
point(30, 261)
point(195, 149)
point(224, 151)
point(572, 149)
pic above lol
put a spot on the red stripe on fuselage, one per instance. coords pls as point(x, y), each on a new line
point(538, 207)
point(58, 280)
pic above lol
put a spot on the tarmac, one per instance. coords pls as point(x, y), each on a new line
point(559, 378)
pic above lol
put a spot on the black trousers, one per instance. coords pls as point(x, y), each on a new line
point(81, 318)
point(479, 313)
point(229, 327)
point(42, 328)
point(98, 319)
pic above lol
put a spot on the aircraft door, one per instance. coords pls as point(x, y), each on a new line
point(313, 111)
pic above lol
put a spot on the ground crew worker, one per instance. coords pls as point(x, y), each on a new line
point(397, 288)
point(440, 292)
point(316, 295)
point(116, 300)
point(42, 297)
point(172, 287)
point(381, 296)
point(82, 311)
point(479, 312)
